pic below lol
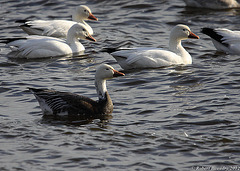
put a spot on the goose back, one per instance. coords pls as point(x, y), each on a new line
point(71, 105)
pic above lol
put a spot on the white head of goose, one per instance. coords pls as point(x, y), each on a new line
point(71, 105)
point(82, 13)
point(33, 46)
point(58, 28)
point(150, 57)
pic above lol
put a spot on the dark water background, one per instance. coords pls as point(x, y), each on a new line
point(174, 118)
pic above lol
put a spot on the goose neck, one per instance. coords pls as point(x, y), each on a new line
point(71, 37)
point(74, 43)
point(101, 88)
point(175, 45)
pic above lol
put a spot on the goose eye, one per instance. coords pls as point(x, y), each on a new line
point(184, 29)
point(85, 10)
point(83, 30)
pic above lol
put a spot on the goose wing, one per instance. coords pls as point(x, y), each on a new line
point(224, 39)
point(38, 47)
point(145, 58)
point(55, 28)
point(63, 103)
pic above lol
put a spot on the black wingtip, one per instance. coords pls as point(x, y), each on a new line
point(213, 34)
point(4, 41)
point(109, 50)
point(34, 90)
point(21, 21)
point(208, 31)
point(31, 89)
point(8, 40)
point(24, 25)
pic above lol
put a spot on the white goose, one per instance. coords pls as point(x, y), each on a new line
point(75, 106)
point(42, 46)
point(59, 28)
point(213, 4)
point(156, 57)
point(224, 40)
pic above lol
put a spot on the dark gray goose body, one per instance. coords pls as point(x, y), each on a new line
point(65, 104)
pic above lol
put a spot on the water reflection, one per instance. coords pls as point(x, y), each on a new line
point(101, 120)
point(152, 108)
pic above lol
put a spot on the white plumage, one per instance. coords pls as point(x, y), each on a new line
point(76, 106)
point(59, 28)
point(42, 46)
point(156, 57)
point(224, 40)
point(213, 4)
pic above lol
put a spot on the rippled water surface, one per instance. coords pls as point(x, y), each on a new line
point(174, 118)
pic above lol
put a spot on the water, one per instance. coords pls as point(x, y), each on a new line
point(173, 118)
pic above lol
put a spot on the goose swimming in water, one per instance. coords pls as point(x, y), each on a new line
point(213, 4)
point(157, 57)
point(42, 46)
point(75, 106)
point(59, 28)
point(224, 40)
